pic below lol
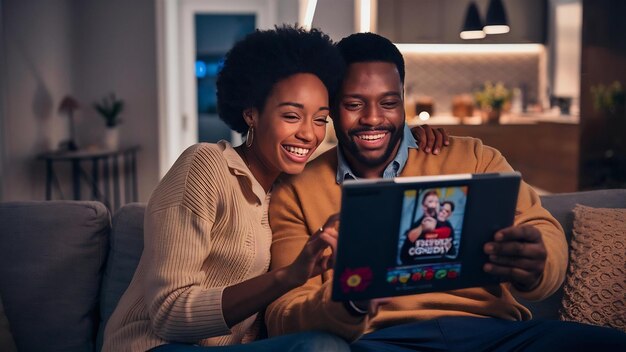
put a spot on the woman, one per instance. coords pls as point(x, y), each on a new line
point(203, 276)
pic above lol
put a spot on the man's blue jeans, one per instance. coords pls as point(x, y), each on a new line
point(489, 334)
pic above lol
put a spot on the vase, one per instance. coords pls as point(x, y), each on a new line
point(491, 116)
point(111, 139)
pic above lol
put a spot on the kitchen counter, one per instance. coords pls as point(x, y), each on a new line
point(544, 149)
point(505, 119)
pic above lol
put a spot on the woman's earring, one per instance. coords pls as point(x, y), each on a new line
point(249, 136)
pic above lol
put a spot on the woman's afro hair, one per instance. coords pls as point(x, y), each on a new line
point(263, 58)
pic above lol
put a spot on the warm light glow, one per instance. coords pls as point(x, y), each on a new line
point(310, 5)
point(365, 16)
point(470, 48)
point(424, 115)
point(500, 29)
point(473, 35)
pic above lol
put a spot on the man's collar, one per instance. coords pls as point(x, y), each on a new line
point(394, 168)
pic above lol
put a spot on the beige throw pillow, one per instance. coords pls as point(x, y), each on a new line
point(595, 289)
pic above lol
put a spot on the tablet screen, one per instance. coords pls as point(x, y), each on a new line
point(429, 236)
point(430, 225)
point(420, 234)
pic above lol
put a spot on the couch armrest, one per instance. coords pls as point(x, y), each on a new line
point(52, 254)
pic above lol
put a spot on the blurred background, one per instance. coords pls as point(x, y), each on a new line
point(98, 98)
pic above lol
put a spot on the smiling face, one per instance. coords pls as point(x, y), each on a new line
point(430, 204)
point(370, 117)
point(444, 212)
point(290, 127)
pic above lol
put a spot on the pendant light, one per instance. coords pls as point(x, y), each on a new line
point(496, 21)
point(473, 26)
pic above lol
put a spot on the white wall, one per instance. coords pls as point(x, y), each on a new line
point(286, 11)
point(86, 48)
point(335, 18)
point(115, 51)
point(38, 68)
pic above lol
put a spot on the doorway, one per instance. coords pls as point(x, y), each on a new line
point(215, 35)
point(182, 111)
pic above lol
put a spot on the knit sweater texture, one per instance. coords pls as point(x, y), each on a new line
point(302, 203)
point(205, 229)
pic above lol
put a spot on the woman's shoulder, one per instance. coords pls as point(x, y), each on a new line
point(202, 158)
point(198, 170)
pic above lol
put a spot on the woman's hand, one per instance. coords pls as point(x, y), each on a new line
point(429, 139)
point(312, 261)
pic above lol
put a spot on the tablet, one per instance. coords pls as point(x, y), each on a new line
point(411, 235)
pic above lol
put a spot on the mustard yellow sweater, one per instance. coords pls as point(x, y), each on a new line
point(205, 228)
point(301, 204)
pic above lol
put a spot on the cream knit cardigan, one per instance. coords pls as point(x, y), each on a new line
point(205, 228)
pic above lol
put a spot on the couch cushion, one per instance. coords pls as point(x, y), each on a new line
point(596, 280)
point(126, 246)
point(51, 258)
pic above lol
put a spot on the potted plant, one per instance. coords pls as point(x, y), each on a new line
point(110, 108)
point(610, 100)
point(491, 99)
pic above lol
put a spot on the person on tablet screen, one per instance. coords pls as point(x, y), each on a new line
point(531, 256)
point(430, 236)
point(434, 223)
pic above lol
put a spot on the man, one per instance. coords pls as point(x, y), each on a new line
point(373, 142)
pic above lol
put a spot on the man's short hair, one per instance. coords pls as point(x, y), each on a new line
point(371, 47)
point(448, 202)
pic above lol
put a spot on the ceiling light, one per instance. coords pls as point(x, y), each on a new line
point(307, 10)
point(363, 10)
point(473, 26)
point(496, 22)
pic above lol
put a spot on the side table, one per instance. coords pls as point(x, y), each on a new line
point(104, 176)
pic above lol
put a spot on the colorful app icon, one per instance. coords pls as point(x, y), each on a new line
point(404, 277)
point(440, 274)
point(416, 276)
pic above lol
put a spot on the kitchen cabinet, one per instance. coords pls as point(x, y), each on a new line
point(440, 21)
point(550, 162)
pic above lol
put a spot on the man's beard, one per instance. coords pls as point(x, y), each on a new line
point(349, 145)
point(432, 212)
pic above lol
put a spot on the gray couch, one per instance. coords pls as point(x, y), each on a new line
point(64, 265)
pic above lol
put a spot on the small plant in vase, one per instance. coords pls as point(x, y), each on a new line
point(491, 99)
point(110, 108)
point(610, 100)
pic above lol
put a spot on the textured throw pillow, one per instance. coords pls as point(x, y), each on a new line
point(595, 290)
